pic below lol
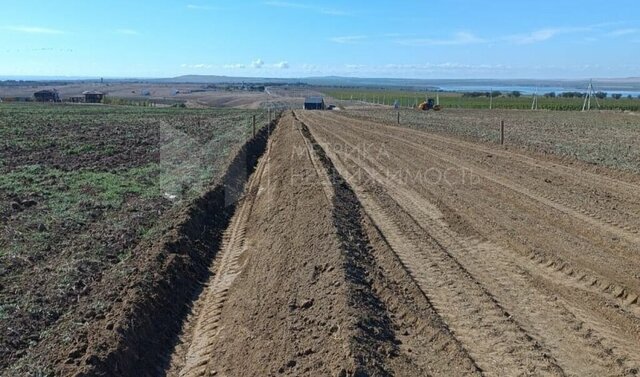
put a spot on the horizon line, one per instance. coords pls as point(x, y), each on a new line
point(78, 78)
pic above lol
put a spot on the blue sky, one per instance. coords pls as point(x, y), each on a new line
point(299, 38)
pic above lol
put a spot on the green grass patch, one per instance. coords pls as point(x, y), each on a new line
point(457, 100)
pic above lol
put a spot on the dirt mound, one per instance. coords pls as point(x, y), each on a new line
point(133, 333)
point(306, 285)
point(529, 262)
point(361, 249)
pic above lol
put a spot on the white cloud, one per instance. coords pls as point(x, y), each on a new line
point(127, 32)
point(349, 39)
point(33, 30)
point(310, 68)
point(197, 66)
point(623, 32)
point(542, 35)
point(444, 67)
point(257, 63)
point(460, 38)
point(327, 11)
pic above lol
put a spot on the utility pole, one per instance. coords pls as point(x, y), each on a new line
point(587, 99)
point(490, 98)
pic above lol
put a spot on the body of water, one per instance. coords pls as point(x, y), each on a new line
point(532, 89)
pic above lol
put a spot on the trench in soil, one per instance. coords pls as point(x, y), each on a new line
point(374, 329)
point(372, 337)
point(143, 346)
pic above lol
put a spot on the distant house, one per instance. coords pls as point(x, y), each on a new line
point(93, 97)
point(314, 103)
point(47, 95)
point(77, 99)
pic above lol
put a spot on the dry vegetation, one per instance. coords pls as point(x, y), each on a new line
point(81, 187)
point(604, 138)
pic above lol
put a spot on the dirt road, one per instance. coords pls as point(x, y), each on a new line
point(366, 249)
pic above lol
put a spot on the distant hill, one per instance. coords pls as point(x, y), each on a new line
point(631, 83)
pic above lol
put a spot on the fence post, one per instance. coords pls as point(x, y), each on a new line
point(254, 126)
point(398, 117)
point(502, 132)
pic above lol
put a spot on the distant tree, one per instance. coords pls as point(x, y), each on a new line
point(572, 94)
point(550, 95)
point(515, 93)
point(601, 95)
point(630, 96)
point(638, 96)
point(496, 93)
point(475, 94)
point(616, 96)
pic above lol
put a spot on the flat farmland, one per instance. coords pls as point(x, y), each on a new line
point(356, 247)
point(80, 188)
point(364, 248)
point(604, 138)
point(454, 100)
point(525, 259)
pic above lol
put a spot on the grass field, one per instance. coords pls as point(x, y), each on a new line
point(456, 100)
point(81, 186)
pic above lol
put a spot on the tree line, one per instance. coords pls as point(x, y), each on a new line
point(495, 93)
point(516, 94)
point(599, 95)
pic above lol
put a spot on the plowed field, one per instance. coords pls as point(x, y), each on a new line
point(360, 248)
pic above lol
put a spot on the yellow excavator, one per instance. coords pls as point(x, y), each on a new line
point(429, 104)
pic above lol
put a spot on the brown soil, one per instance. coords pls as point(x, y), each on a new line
point(349, 257)
point(533, 265)
point(127, 320)
point(327, 296)
point(362, 249)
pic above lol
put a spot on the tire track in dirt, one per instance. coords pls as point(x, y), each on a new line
point(498, 344)
point(325, 181)
point(586, 176)
point(198, 357)
point(625, 231)
point(361, 262)
point(549, 320)
point(594, 282)
point(318, 294)
point(588, 280)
